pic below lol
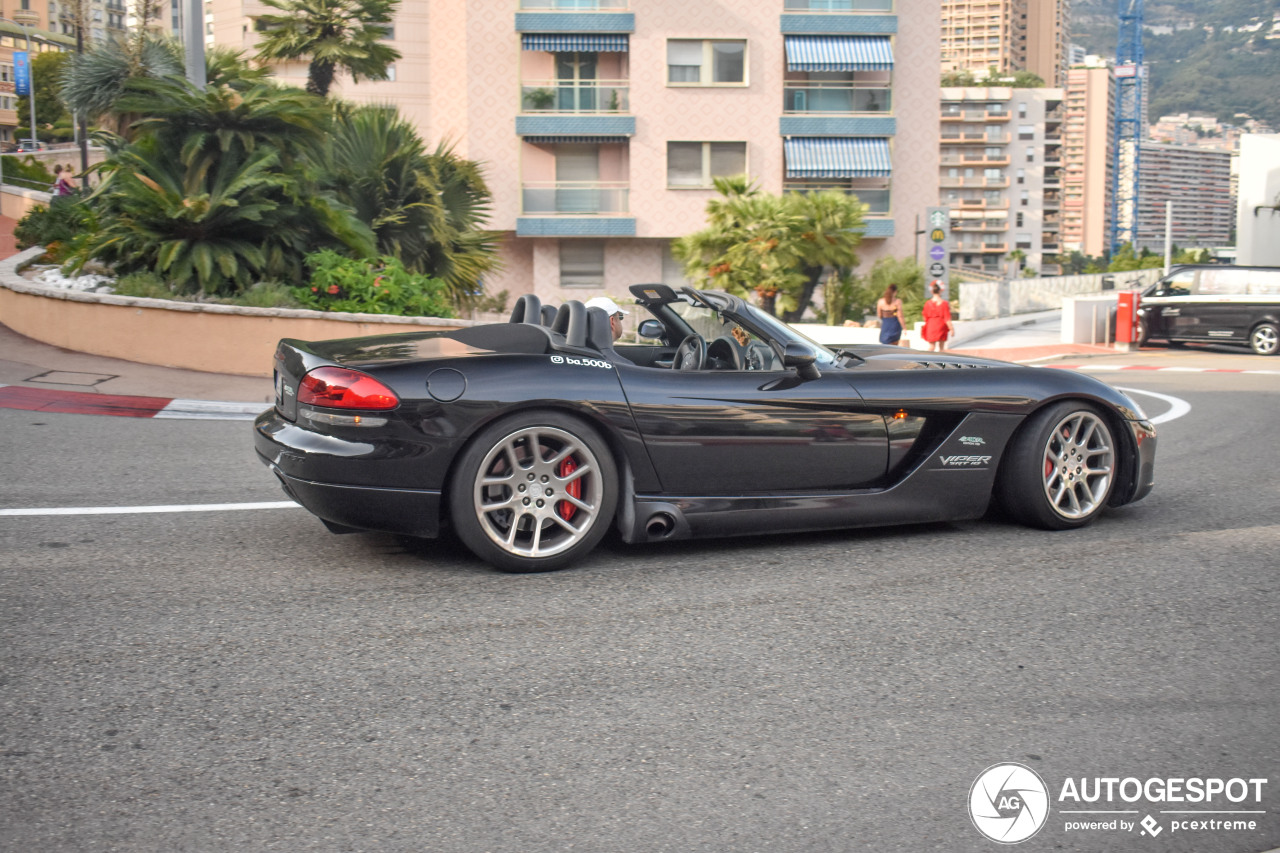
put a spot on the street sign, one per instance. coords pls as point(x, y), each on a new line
point(21, 73)
point(939, 219)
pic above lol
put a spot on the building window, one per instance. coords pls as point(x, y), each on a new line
point(1022, 176)
point(582, 263)
point(1026, 131)
point(706, 62)
point(1018, 221)
point(1031, 155)
point(695, 164)
point(1022, 109)
point(1023, 240)
point(1024, 198)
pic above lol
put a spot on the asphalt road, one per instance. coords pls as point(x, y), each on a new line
point(228, 681)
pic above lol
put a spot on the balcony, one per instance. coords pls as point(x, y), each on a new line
point(840, 98)
point(979, 226)
point(975, 116)
point(838, 6)
point(979, 182)
point(596, 96)
point(973, 248)
point(954, 138)
point(575, 198)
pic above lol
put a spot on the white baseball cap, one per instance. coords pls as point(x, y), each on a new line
point(610, 307)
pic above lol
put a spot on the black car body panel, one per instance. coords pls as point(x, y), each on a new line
point(873, 435)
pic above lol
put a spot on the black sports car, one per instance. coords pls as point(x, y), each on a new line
point(534, 436)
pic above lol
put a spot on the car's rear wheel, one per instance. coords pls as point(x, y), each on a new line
point(1060, 468)
point(1265, 339)
point(534, 491)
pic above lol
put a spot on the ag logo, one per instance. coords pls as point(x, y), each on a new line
point(1008, 803)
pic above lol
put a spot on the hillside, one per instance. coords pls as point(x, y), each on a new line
point(1198, 58)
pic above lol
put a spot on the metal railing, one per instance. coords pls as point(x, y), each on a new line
point(596, 96)
point(877, 201)
point(835, 98)
point(574, 5)
point(575, 198)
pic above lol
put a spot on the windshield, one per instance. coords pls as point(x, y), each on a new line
point(774, 328)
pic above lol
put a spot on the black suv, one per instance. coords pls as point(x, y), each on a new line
point(1214, 304)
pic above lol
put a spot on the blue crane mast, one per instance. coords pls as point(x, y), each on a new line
point(1127, 129)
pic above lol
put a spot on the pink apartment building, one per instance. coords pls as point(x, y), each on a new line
point(601, 123)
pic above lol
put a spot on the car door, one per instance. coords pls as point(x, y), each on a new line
point(1167, 310)
point(736, 432)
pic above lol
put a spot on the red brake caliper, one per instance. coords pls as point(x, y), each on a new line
point(574, 489)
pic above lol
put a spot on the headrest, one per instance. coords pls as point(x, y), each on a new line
point(528, 310)
point(571, 321)
point(599, 335)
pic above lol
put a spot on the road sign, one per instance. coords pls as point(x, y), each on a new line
point(939, 219)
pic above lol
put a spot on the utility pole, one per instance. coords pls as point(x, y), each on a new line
point(81, 121)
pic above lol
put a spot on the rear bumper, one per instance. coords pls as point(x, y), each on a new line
point(411, 512)
point(330, 477)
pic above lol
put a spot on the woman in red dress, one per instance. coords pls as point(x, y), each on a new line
point(937, 321)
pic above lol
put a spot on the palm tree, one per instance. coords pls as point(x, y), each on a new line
point(333, 35)
point(775, 247)
point(201, 195)
point(93, 82)
point(426, 209)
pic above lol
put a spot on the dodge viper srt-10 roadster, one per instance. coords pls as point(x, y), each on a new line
point(532, 437)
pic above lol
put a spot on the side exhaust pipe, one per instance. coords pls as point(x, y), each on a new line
point(659, 526)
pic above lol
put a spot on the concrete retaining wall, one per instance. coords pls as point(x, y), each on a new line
point(195, 336)
point(985, 299)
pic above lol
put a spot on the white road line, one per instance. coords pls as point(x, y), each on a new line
point(209, 410)
point(1177, 406)
point(128, 510)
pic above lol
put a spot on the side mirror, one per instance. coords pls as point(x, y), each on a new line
point(651, 329)
point(800, 357)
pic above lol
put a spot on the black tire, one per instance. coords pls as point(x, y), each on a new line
point(1060, 468)
point(1143, 334)
point(534, 491)
point(1265, 339)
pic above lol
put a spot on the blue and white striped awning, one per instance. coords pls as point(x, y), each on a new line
point(576, 42)
point(557, 140)
point(838, 53)
point(837, 157)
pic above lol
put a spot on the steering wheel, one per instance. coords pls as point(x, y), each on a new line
point(724, 353)
point(691, 354)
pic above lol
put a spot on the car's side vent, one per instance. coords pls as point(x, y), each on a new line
point(943, 365)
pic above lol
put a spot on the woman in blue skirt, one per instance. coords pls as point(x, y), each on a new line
point(889, 310)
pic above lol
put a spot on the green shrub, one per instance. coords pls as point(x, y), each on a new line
point(53, 226)
point(147, 285)
point(381, 286)
point(267, 294)
point(27, 172)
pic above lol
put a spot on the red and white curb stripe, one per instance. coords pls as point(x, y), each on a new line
point(1102, 368)
point(82, 403)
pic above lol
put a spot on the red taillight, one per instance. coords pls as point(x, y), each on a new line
point(340, 388)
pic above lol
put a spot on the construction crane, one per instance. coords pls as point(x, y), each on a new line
point(1127, 131)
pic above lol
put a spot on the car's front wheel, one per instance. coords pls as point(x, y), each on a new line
point(534, 491)
point(1060, 468)
point(1265, 339)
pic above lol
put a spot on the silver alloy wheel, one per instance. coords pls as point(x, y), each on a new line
point(1265, 340)
point(538, 491)
point(1079, 462)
